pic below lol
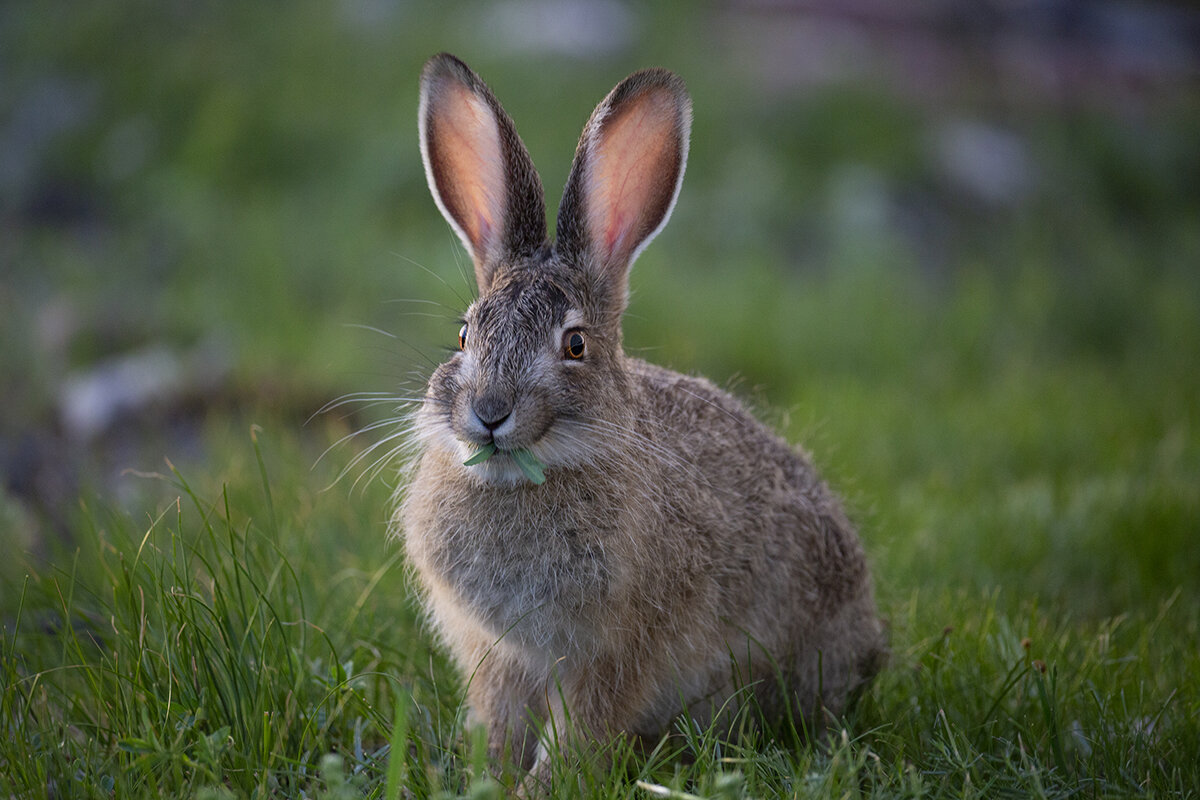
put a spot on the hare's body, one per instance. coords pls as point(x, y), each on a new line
point(678, 551)
point(724, 565)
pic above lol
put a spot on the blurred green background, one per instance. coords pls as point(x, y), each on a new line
point(954, 250)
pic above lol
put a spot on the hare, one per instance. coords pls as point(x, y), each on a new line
point(679, 557)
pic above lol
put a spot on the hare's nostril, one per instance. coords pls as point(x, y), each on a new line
point(492, 424)
point(492, 409)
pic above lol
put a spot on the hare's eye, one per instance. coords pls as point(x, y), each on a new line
point(462, 337)
point(574, 345)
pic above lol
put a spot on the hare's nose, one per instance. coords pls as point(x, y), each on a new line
point(492, 409)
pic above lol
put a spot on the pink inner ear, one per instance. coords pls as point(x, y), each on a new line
point(469, 146)
point(631, 171)
point(618, 228)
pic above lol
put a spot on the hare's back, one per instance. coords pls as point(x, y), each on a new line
point(714, 432)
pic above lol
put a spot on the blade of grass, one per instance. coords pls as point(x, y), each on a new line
point(397, 749)
point(1049, 711)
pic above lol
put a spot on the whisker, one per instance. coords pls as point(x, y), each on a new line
point(455, 244)
point(370, 328)
point(429, 314)
point(634, 437)
point(452, 312)
point(458, 262)
point(360, 457)
point(397, 404)
point(365, 399)
point(355, 433)
point(392, 456)
point(631, 435)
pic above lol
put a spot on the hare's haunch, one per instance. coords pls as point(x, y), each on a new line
point(678, 553)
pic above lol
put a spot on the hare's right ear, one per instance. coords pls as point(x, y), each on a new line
point(627, 172)
point(478, 169)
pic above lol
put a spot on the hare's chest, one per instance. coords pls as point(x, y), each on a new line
point(538, 579)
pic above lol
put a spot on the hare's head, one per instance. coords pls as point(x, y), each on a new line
point(540, 366)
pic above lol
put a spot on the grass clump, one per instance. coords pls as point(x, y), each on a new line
point(184, 656)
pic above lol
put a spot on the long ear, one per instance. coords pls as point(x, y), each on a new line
point(478, 169)
point(626, 175)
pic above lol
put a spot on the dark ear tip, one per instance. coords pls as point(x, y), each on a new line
point(443, 66)
point(650, 79)
point(657, 76)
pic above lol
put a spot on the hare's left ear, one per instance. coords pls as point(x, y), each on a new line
point(626, 175)
point(478, 169)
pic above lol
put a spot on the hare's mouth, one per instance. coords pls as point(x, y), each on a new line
point(501, 470)
point(566, 444)
point(525, 461)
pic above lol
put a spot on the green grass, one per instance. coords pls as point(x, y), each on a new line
point(1033, 546)
point(1009, 401)
point(226, 647)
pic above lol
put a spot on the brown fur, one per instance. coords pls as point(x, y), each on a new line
point(678, 549)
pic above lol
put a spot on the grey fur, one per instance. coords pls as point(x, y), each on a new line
point(678, 549)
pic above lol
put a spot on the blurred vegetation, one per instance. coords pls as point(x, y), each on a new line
point(998, 369)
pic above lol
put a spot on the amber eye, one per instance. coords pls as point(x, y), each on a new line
point(574, 345)
point(462, 337)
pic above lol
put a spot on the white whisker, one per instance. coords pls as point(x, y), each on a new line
point(371, 328)
point(454, 248)
point(400, 435)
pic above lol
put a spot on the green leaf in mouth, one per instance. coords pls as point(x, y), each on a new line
point(525, 460)
point(530, 465)
point(481, 456)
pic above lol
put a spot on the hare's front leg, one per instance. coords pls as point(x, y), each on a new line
point(506, 698)
point(589, 706)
